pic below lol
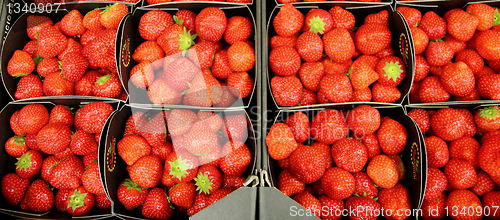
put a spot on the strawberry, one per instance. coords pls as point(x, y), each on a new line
point(328, 126)
point(436, 183)
point(362, 75)
point(51, 42)
point(338, 183)
point(349, 154)
point(211, 23)
point(21, 64)
point(363, 120)
point(93, 116)
point(422, 68)
point(157, 205)
point(149, 51)
point(91, 180)
point(286, 90)
point(235, 127)
point(309, 202)
point(465, 148)
point(132, 147)
point(180, 121)
point(175, 39)
point(200, 202)
point(288, 21)
point(434, 208)
point(56, 85)
point(488, 118)
point(384, 93)
point(35, 24)
point(394, 199)
point(354, 202)
point(364, 185)
point(79, 202)
point(154, 131)
point(32, 49)
point(218, 195)
point(113, 15)
point(433, 25)
point(179, 73)
point(28, 164)
point(485, 44)
point(332, 204)
point(242, 84)
point(67, 173)
point(153, 23)
point(420, 39)
point(381, 17)
point(107, 86)
point(85, 86)
point(382, 170)
point(32, 118)
point(307, 164)
point(391, 71)
point(336, 88)
point(54, 138)
point(131, 195)
point(160, 92)
point(48, 165)
point(438, 53)
point(182, 194)
point(448, 124)
point(73, 66)
point(456, 45)
point(484, 184)
point(392, 136)
point(142, 74)
point(484, 13)
point(236, 159)
point(208, 179)
point(299, 125)
point(15, 125)
point(318, 21)
point(432, 90)
point(460, 174)
point(280, 141)
point(342, 18)
point(89, 159)
point(458, 79)
point(339, 45)
point(462, 199)
point(146, 171)
point(487, 86)
point(61, 114)
point(437, 152)
point(372, 38)
point(212, 120)
point(411, 15)
point(473, 60)
point(284, 61)
point(461, 25)
point(102, 202)
point(399, 166)
point(181, 166)
point(372, 145)
point(61, 197)
point(308, 98)
point(238, 29)
point(310, 46)
point(490, 200)
point(39, 197)
point(134, 123)
point(487, 159)
point(16, 146)
point(202, 54)
point(220, 67)
point(29, 86)
point(72, 24)
point(200, 140)
point(278, 41)
point(310, 74)
point(91, 20)
point(422, 118)
point(14, 188)
point(288, 184)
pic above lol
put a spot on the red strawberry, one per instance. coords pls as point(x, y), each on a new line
point(434, 208)
point(146, 171)
point(107, 86)
point(392, 136)
point(372, 145)
point(218, 195)
point(183, 194)
point(381, 17)
point(288, 21)
point(91, 180)
point(61, 114)
point(85, 86)
point(149, 51)
point(56, 85)
point(465, 148)
point(21, 64)
point(349, 154)
point(93, 116)
point(433, 25)
point(308, 98)
point(461, 25)
point(354, 202)
point(484, 13)
point(278, 41)
point(363, 120)
point(131, 195)
point(181, 166)
point(484, 184)
point(307, 164)
point(362, 75)
point(220, 67)
point(32, 118)
point(48, 165)
point(318, 21)
point(153, 23)
point(113, 15)
point(54, 138)
point(488, 118)
point(175, 39)
point(102, 202)
point(134, 123)
point(79, 202)
point(29, 164)
point(458, 79)
point(342, 18)
point(14, 188)
point(32, 49)
point(211, 23)
point(157, 205)
point(72, 24)
point(280, 136)
point(73, 66)
point(91, 20)
point(309, 202)
point(383, 172)
point(310, 74)
point(448, 124)
point(208, 180)
point(67, 173)
point(487, 86)
point(332, 204)
point(438, 53)
point(460, 174)
point(35, 24)
point(180, 72)
point(473, 60)
point(300, 126)
point(490, 200)
point(180, 121)
point(132, 147)
point(339, 45)
point(463, 199)
point(437, 152)
point(39, 197)
point(236, 158)
point(160, 92)
point(420, 40)
point(432, 90)
point(29, 86)
point(422, 118)
point(61, 198)
point(338, 183)
point(487, 159)
point(391, 70)
point(16, 146)
point(284, 61)
point(394, 199)
point(200, 140)
point(289, 185)
point(372, 38)
point(162, 151)
point(200, 202)
point(436, 184)
point(310, 46)
point(412, 15)
point(322, 124)
point(15, 125)
point(364, 186)
point(51, 42)
point(286, 90)
point(242, 84)
point(336, 88)
point(238, 29)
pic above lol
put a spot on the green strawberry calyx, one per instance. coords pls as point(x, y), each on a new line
point(131, 185)
point(37, 59)
point(203, 183)
point(19, 140)
point(108, 8)
point(393, 70)
point(177, 21)
point(23, 162)
point(349, 73)
point(496, 18)
point(76, 200)
point(103, 79)
point(179, 168)
point(490, 113)
point(186, 40)
point(317, 25)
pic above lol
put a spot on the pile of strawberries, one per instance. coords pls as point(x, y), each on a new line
point(312, 58)
point(75, 56)
point(201, 161)
point(293, 1)
point(45, 2)
point(337, 167)
point(184, 60)
point(150, 2)
point(457, 56)
point(460, 165)
point(56, 150)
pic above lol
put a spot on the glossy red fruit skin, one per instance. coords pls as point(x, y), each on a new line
point(345, 150)
point(448, 124)
point(460, 174)
point(322, 124)
point(437, 152)
point(289, 185)
point(464, 199)
point(491, 200)
point(338, 183)
point(14, 188)
point(306, 164)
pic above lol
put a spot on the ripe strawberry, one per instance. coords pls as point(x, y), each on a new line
point(182, 194)
point(218, 195)
point(51, 42)
point(61, 114)
point(15, 125)
point(32, 118)
point(392, 136)
point(157, 205)
point(72, 24)
point(211, 119)
point(438, 53)
point(35, 24)
point(220, 67)
point(149, 51)
point(372, 145)
point(448, 124)
point(113, 15)
point(32, 49)
point(236, 158)
point(362, 75)
point(484, 13)
point(433, 25)
point(461, 25)
point(372, 38)
point(208, 180)
point(278, 41)
point(53, 138)
point(307, 164)
point(85, 86)
point(93, 116)
point(179, 73)
point(73, 66)
point(310, 74)
point(242, 84)
point(381, 17)
point(318, 21)
point(180, 121)
point(363, 120)
point(159, 92)
point(16, 146)
point(420, 40)
point(56, 85)
point(342, 18)
point(473, 60)
point(200, 202)
point(176, 39)
point(338, 183)
point(181, 166)
point(153, 23)
point(134, 123)
point(422, 118)
point(61, 197)
point(432, 90)
point(284, 61)
point(485, 44)
point(429, 205)
point(288, 21)
point(200, 140)
point(107, 86)
point(286, 90)
point(437, 152)
point(280, 141)
point(391, 71)
point(422, 68)
point(39, 197)
point(460, 174)
point(310, 46)
point(384, 93)
point(411, 15)
point(394, 199)
point(339, 45)
point(132, 147)
point(67, 173)
point(28, 164)
point(102, 202)
point(131, 195)
point(91, 20)
point(238, 29)
point(458, 79)
point(369, 204)
point(464, 199)
point(484, 184)
point(79, 202)
point(322, 124)
point(488, 118)
point(91, 180)
point(487, 159)
point(364, 186)
point(383, 172)
point(309, 202)
point(14, 188)
point(490, 200)
point(21, 64)
point(308, 98)
point(336, 88)
point(48, 165)
point(349, 154)
point(487, 86)
point(299, 125)
point(211, 23)
point(289, 185)
point(436, 184)
point(146, 171)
